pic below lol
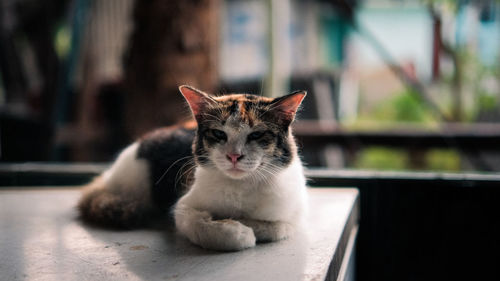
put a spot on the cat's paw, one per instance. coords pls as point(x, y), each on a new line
point(233, 236)
point(282, 231)
point(266, 231)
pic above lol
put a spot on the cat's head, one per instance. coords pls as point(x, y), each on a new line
point(243, 135)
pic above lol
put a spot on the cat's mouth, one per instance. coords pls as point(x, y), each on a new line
point(235, 172)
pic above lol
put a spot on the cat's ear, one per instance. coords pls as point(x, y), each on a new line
point(289, 104)
point(196, 99)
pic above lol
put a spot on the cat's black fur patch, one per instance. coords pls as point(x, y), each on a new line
point(233, 108)
point(252, 97)
point(266, 139)
point(168, 152)
point(282, 156)
point(199, 147)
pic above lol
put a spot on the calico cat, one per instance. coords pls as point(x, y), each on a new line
point(240, 183)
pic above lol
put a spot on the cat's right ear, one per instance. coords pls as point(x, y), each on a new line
point(196, 99)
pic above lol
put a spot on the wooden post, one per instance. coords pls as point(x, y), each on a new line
point(172, 43)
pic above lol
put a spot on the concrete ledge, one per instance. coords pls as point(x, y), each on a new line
point(43, 239)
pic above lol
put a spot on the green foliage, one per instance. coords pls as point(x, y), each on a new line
point(62, 41)
point(404, 107)
point(381, 158)
point(442, 160)
point(408, 108)
point(487, 102)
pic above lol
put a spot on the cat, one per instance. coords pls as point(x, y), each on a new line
point(240, 182)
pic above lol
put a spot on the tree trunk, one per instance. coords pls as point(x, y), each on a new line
point(173, 43)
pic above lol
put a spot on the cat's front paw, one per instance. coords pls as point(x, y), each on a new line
point(267, 231)
point(233, 236)
point(282, 231)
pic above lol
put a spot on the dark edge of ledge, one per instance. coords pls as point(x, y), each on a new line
point(341, 248)
point(48, 174)
point(56, 174)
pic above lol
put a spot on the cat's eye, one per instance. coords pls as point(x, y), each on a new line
point(255, 135)
point(219, 134)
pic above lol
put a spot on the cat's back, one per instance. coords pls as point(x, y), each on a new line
point(169, 156)
point(145, 180)
point(163, 144)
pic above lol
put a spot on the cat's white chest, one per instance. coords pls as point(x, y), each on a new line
point(277, 199)
point(226, 199)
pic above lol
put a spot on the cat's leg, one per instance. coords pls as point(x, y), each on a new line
point(120, 196)
point(201, 229)
point(268, 231)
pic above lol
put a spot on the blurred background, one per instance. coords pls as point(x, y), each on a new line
point(397, 85)
point(393, 85)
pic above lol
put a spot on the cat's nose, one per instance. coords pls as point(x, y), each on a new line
point(234, 157)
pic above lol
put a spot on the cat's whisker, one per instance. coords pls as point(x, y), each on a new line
point(266, 179)
point(274, 166)
point(170, 167)
point(184, 176)
point(258, 178)
point(261, 177)
point(254, 177)
point(269, 165)
point(184, 173)
point(267, 173)
point(269, 108)
point(272, 107)
point(210, 115)
point(261, 86)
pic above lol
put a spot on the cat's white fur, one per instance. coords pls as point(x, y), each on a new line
point(230, 206)
point(220, 212)
point(232, 203)
point(128, 177)
point(230, 214)
point(128, 173)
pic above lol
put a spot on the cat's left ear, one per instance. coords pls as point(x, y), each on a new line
point(196, 99)
point(289, 104)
